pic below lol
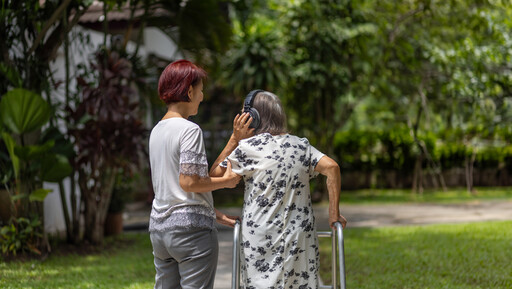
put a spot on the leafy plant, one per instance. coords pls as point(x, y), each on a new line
point(258, 58)
point(21, 235)
point(122, 192)
point(108, 132)
point(23, 113)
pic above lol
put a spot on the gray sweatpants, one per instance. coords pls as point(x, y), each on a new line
point(185, 258)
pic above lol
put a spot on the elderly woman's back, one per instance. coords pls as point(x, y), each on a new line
point(279, 243)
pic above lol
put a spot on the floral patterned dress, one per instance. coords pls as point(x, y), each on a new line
point(278, 241)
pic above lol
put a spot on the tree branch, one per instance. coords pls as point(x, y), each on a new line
point(399, 21)
point(57, 37)
point(55, 16)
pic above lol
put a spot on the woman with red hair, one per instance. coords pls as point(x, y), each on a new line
point(181, 226)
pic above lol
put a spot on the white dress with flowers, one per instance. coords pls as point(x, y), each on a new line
point(278, 240)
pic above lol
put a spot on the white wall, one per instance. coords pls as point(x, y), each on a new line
point(158, 43)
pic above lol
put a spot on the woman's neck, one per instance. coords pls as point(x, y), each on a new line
point(179, 109)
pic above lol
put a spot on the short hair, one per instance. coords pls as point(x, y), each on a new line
point(272, 115)
point(176, 79)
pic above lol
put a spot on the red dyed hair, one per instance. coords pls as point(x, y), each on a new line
point(176, 79)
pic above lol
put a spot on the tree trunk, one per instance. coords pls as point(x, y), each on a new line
point(75, 209)
point(469, 165)
point(97, 201)
point(417, 181)
point(64, 203)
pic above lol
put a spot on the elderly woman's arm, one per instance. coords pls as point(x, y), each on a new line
point(220, 177)
point(241, 131)
point(329, 168)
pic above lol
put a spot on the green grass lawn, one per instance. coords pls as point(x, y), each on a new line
point(227, 198)
point(124, 262)
point(476, 255)
point(452, 195)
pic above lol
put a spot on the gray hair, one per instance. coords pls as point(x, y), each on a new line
point(272, 115)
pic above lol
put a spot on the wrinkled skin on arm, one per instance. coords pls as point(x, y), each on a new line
point(329, 168)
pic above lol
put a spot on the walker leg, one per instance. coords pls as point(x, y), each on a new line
point(235, 276)
point(341, 254)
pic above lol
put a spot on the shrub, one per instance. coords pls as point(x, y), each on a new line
point(20, 235)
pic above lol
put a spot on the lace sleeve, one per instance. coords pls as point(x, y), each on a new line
point(193, 164)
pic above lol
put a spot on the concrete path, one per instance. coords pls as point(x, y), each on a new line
point(359, 216)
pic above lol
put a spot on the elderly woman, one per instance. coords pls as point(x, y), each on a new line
point(181, 225)
point(279, 242)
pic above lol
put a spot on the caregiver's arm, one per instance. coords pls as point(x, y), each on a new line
point(199, 184)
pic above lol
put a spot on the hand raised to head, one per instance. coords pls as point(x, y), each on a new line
point(241, 128)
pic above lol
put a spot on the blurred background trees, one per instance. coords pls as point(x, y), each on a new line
point(404, 94)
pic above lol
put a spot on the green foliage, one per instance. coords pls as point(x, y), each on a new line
point(15, 161)
point(328, 44)
point(453, 155)
point(371, 150)
point(31, 33)
point(494, 157)
point(367, 150)
point(55, 168)
point(122, 192)
point(12, 75)
point(108, 132)
point(23, 111)
point(257, 58)
point(436, 72)
point(199, 27)
point(20, 235)
point(107, 116)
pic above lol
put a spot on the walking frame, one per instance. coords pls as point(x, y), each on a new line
point(338, 262)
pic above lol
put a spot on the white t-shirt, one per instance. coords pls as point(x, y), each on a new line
point(176, 147)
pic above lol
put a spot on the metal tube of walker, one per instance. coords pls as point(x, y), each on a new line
point(333, 261)
point(341, 254)
point(235, 276)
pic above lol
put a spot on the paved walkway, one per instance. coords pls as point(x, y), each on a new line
point(357, 216)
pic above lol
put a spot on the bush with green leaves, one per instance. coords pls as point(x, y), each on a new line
point(20, 235)
point(23, 113)
point(373, 150)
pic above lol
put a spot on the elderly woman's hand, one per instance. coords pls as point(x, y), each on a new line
point(333, 219)
point(241, 128)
